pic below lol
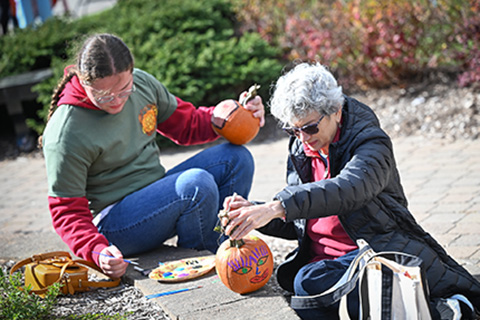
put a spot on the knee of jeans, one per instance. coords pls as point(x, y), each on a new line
point(198, 181)
point(298, 282)
point(241, 155)
point(240, 152)
point(312, 279)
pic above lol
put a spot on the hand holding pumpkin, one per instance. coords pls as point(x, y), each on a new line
point(256, 106)
point(244, 265)
point(244, 217)
point(239, 122)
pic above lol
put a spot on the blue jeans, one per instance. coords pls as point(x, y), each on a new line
point(185, 202)
point(316, 277)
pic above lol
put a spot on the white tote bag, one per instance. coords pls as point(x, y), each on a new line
point(390, 286)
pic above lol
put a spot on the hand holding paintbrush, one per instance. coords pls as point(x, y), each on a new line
point(109, 256)
point(223, 214)
point(111, 261)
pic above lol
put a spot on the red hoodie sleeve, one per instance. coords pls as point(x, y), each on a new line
point(189, 125)
point(72, 221)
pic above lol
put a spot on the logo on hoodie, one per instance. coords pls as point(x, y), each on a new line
point(148, 119)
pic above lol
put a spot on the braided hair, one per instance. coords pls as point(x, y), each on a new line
point(101, 55)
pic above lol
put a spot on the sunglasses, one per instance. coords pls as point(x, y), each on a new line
point(308, 129)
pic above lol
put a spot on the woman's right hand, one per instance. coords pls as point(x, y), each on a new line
point(243, 217)
point(113, 267)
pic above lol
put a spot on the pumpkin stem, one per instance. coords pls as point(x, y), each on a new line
point(236, 243)
point(251, 93)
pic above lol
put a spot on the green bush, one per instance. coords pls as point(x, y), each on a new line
point(193, 47)
point(31, 49)
point(18, 303)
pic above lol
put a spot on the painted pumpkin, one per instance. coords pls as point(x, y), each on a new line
point(244, 265)
point(235, 123)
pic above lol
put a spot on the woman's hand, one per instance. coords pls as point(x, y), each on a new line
point(243, 217)
point(113, 267)
point(256, 106)
point(232, 203)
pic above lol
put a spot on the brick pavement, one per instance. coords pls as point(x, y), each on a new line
point(441, 180)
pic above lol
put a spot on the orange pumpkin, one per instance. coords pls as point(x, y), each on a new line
point(235, 123)
point(244, 265)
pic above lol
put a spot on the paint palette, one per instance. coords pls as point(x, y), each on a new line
point(184, 269)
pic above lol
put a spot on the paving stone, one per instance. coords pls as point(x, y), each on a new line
point(466, 228)
point(462, 252)
point(447, 218)
point(467, 240)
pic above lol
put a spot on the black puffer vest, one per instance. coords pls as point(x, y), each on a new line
point(366, 194)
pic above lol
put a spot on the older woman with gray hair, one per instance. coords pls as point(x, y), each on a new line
point(343, 185)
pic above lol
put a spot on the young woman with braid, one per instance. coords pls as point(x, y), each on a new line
point(108, 191)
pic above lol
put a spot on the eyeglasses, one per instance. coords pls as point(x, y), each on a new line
point(109, 98)
point(122, 95)
point(308, 129)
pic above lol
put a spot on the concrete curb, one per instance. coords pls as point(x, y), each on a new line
point(212, 301)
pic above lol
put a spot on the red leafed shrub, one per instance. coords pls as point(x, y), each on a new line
point(468, 35)
point(368, 43)
point(388, 35)
point(267, 17)
point(371, 43)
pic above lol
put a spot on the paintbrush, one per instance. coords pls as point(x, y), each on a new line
point(167, 293)
point(108, 256)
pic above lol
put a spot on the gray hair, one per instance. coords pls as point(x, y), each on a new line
point(304, 89)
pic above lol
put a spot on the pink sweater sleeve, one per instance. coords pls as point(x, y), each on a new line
point(72, 221)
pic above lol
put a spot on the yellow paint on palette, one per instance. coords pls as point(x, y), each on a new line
point(184, 269)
